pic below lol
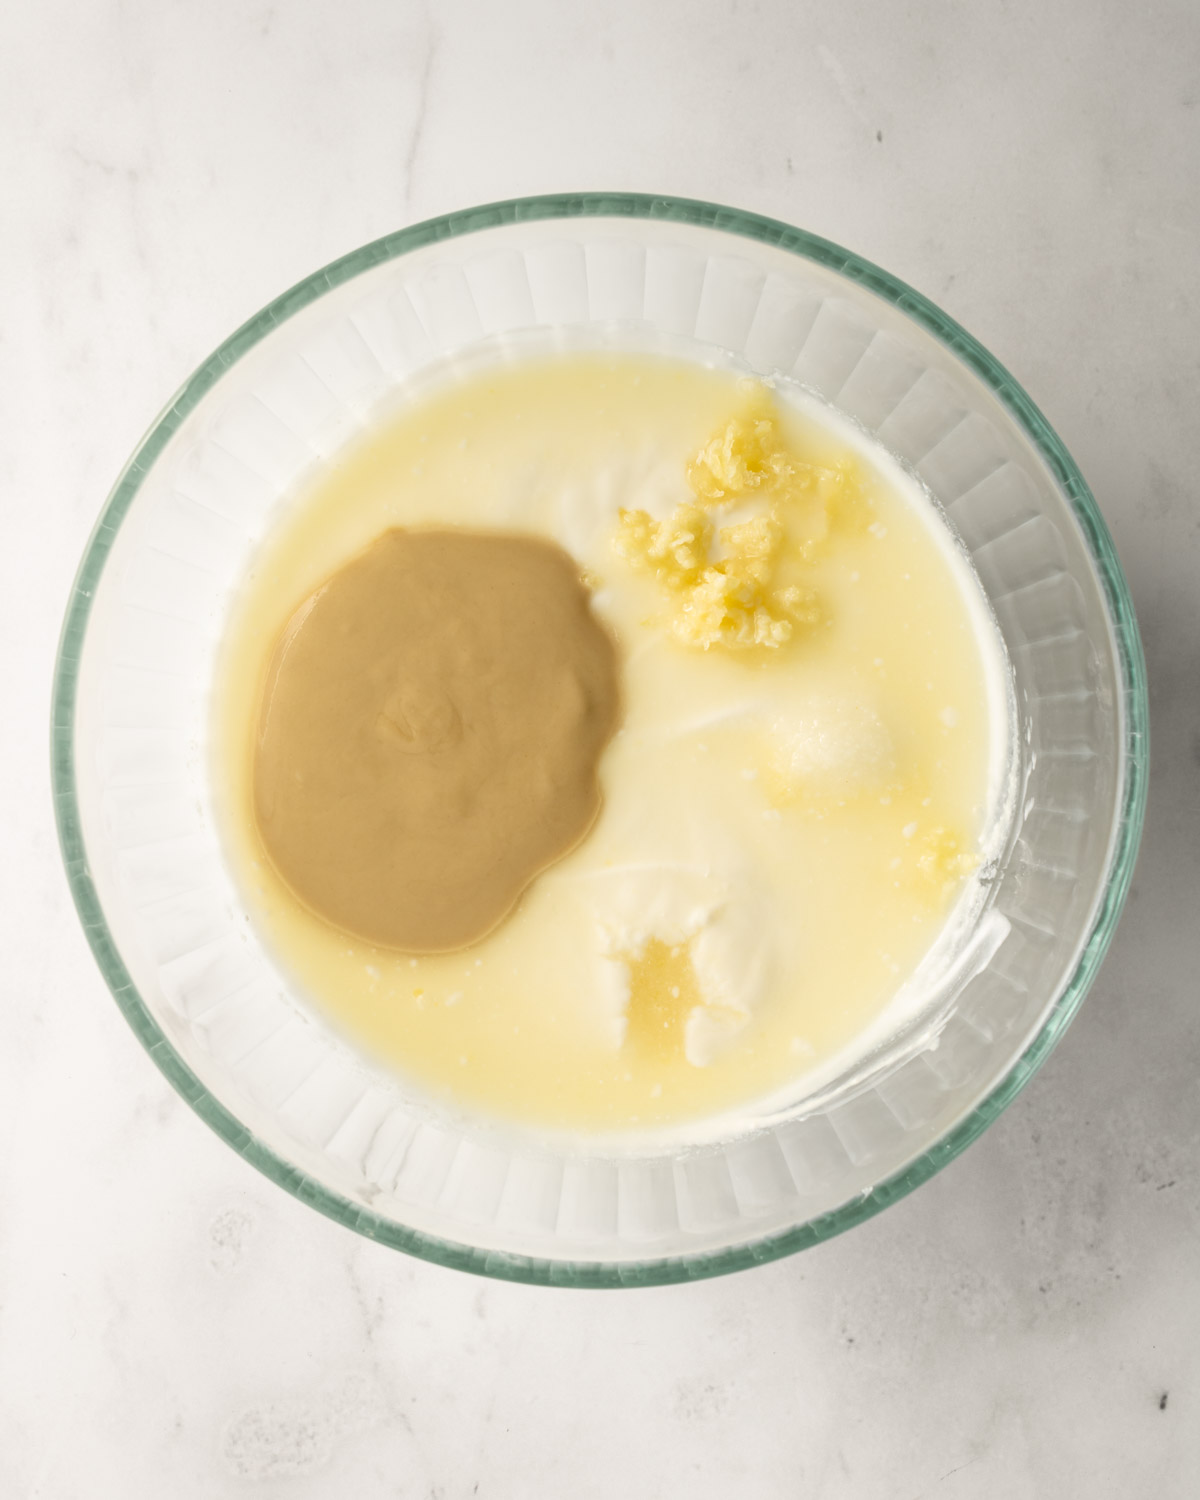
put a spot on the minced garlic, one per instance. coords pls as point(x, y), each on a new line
point(727, 579)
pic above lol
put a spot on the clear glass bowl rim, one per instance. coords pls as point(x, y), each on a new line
point(1121, 617)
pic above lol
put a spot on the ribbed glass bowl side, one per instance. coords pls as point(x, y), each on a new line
point(285, 393)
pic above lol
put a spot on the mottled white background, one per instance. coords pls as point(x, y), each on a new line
point(172, 1327)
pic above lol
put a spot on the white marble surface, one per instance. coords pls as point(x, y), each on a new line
point(171, 1325)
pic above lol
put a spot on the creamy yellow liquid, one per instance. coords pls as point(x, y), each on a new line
point(783, 832)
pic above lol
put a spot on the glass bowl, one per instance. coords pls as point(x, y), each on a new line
point(283, 395)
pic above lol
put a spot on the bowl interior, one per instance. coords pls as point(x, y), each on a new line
point(285, 395)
